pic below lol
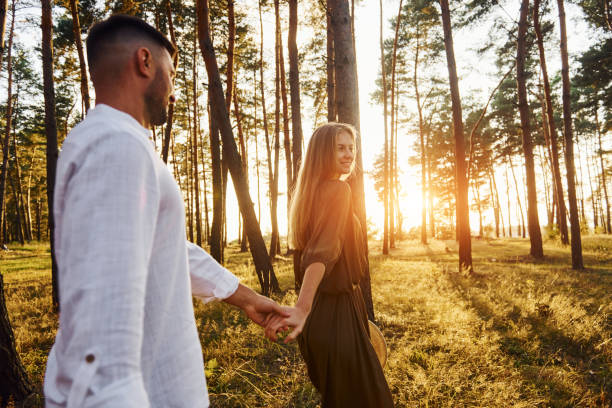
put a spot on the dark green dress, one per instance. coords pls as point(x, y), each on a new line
point(335, 343)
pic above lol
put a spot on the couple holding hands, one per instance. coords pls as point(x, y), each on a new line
point(127, 335)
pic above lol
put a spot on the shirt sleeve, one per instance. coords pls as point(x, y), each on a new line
point(209, 280)
point(328, 226)
point(107, 228)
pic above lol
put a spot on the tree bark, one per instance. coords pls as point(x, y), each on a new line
point(21, 208)
point(8, 122)
point(215, 154)
point(576, 243)
point(287, 138)
point(421, 141)
point(347, 103)
point(205, 194)
point(76, 29)
point(386, 183)
point(3, 12)
point(168, 129)
point(245, 161)
point(294, 89)
point(50, 132)
point(521, 220)
point(561, 219)
point(196, 178)
point(261, 259)
point(393, 159)
point(432, 223)
point(332, 110)
point(603, 174)
point(533, 222)
point(463, 215)
point(231, 40)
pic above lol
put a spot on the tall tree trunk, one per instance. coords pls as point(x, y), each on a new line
point(168, 129)
point(432, 223)
point(263, 108)
point(479, 207)
point(287, 138)
point(535, 234)
point(593, 199)
point(347, 102)
point(294, 89)
point(8, 122)
point(229, 85)
point(21, 209)
point(50, 131)
point(495, 199)
point(392, 185)
point(551, 128)
point(189, 167)
point(579, 178)
point(3, 12)
point(576, 242)
point(245, 161)
point(508, 197)
point(386, 183)
point(603, 174)
point(463, 214)
point(256, 142)
point(261, 260)
point(19, 224)
point(205, 193)
point(231, 40)
point(28, 208)
point(422, 142)
point(275, 241)
point(76, 30)
point(196, 178)
point(215, 154)
point(332, 109)
point(521, 220)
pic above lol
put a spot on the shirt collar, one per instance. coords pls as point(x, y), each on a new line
point(126, 118)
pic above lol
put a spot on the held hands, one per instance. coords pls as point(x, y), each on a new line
point(258, 308)
point(262, 309)
point(292, 317)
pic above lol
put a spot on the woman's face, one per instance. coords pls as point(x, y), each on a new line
point(345, 153)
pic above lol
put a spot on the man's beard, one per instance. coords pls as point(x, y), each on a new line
point(156, 104)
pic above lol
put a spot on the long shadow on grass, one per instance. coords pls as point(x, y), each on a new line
point(557, 349)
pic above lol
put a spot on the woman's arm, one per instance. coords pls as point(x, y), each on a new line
point(298, 314)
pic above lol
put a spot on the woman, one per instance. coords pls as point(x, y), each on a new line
point(329, 319)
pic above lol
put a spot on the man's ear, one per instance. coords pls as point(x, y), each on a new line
point(144, 62)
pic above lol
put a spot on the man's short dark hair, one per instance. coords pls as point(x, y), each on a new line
point(118, 28)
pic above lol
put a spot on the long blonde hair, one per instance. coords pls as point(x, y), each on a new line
point(318, 165)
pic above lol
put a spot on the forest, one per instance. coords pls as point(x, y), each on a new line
point(482, 178)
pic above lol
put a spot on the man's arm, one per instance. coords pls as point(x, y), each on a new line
point(210, 281)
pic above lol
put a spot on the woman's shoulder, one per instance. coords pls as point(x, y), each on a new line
point(335, 192)
point(339, 187)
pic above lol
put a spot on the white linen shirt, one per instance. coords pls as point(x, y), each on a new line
point(127, 335)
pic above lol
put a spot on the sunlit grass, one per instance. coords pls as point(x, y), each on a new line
point(520, 333)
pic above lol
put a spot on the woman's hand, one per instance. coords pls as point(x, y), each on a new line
point(295, 320)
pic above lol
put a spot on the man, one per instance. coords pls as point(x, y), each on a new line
point(127, 335)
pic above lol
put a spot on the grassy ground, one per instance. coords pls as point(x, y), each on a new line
point(519, 333)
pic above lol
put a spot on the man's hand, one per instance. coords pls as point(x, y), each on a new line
point(257, 307)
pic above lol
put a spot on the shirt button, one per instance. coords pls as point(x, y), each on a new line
point(90, 358)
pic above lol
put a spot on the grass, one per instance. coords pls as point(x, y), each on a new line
point(519, 333)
